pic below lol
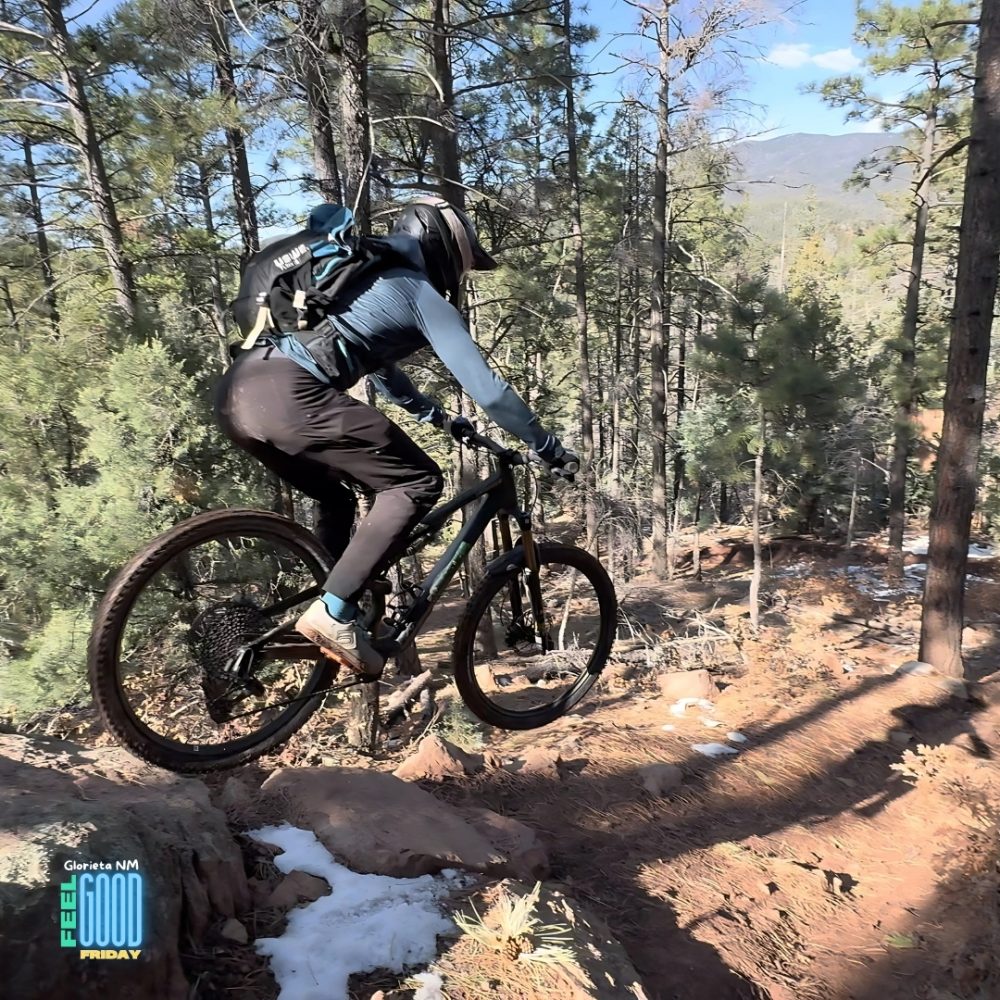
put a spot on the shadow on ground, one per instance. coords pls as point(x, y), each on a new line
point(607, 836)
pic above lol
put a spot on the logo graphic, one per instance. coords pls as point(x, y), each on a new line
point(100, 909)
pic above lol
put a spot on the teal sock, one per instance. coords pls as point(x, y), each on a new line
point(339, 609)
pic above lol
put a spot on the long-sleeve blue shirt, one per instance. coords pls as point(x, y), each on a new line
point(399, 312)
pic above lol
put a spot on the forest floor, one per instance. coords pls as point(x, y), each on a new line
point(848, 852)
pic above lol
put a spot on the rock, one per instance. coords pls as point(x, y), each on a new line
point(913, 668)
point(298, 887)
point(63, 802)
point(260, 892)
point(620, 674)
point(528, 858)
point(233, 930)
point(599, 968)
point(687, 684)
point(436, 759)
point(658, 779)
point(377, 823)
point(954, 686)
point(236, 799)
point(541, 761)
point(899, 737)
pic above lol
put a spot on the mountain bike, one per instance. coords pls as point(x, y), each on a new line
point(195, 665)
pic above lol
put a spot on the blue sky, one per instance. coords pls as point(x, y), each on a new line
point(810, 44)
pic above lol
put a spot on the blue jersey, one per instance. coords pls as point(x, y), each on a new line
point(396, 312)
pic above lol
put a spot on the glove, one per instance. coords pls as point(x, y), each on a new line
point(459, 427)
point(561, 461)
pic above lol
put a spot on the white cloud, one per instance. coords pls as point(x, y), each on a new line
point(875, 125)
point(798, 55)
point(840, 60)
point(789, 56)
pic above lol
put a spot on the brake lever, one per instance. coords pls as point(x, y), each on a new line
point(565, 472)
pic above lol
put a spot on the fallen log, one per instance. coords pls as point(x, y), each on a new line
point(402, 696)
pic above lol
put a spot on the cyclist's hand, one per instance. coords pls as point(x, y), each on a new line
point(460, 428)
point(558, 460)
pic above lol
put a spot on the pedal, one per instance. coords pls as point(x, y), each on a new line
point(342, 664)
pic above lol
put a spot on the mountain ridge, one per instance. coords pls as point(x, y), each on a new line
point(812, 166)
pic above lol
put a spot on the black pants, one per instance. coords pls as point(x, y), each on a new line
point(322, 441)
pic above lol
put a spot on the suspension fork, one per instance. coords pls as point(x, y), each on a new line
point(534, 582)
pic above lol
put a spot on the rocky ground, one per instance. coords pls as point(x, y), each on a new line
point(845, 849)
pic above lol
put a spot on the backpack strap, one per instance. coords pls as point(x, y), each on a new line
point(263, 322)
point(301, 310)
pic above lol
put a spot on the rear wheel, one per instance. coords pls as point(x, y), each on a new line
point(525, 655)
point(176, 621)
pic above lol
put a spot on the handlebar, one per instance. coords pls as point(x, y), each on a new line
point(509, 455)
point(513, 457)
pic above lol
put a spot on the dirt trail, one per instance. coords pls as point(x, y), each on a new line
point(849, 851)
point(831, 859)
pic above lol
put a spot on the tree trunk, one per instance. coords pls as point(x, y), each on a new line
point(616, 390)
point(408, 658)
point(853, 515)
point(758, 490)
point(313, 69)
point(968, 359)
point(658, 360)
point(239, 165)
point(907, 360)
point(8, 303)
point(41, 234)
point(580, 289)
point(355, 121)
point(681, 397)
point(362, 726)
point(219, 311)
point(92, 159)
point(696, 543)
point(446, 134)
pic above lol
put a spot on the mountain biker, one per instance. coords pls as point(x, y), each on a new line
point(284, 401)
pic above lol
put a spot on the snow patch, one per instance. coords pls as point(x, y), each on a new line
point(870, 581)
point(794, 569)
point(681, 706)
point(736, 738)
point(919, 547)
point(711, 723)
point(713, 749)
point(367, 922)
point(430, 986)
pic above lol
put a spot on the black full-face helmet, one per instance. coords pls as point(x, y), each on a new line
point(448, 241)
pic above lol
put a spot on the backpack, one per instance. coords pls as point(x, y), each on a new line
point(290, 285)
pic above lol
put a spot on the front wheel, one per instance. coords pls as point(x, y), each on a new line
point(524, 655)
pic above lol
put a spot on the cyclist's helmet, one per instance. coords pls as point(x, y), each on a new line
point(448, 241)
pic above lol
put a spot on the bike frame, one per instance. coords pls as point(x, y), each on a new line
point(499, 500)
